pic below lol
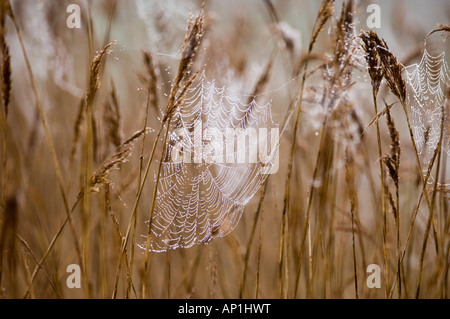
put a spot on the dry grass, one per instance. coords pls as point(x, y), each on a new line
point(80, 168)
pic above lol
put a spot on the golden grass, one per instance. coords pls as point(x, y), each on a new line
point(352, 188)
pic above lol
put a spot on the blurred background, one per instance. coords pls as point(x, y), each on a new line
point(241, 38)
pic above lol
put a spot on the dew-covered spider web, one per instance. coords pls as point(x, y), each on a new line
point(427, 82)
point(220, 150)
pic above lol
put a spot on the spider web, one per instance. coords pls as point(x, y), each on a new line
point(427, 82)
point(202, 196)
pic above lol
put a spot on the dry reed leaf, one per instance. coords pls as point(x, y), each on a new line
point(393, 73)
point(290, 38)
point(77, 128)
point(180, 99)
point(111, 117)
point(88, 99)
point(373, 60)
point(5, 10)
point(152, 80)
point(344, 30)
point(94, 80)
point(380, 55)
point(191, 44)
point(391, 201)
point(441, 27)
point(259, 87)
point(325, 12)
point(343, 45)
point(6, 77)
point(392, 161)
point(10, 222)
point(377, 117)
point(262, 81)
point(100, 176)
point(305, 59)
point(272, 11)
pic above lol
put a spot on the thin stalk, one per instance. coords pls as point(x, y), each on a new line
point(325, 12)
point(443, 214)
point(25, 245)
point(51, 245)
point(85, 220)
point(4, 124)
point(90, 29)
point(354, 250)
point(287, 188)
point(252, 236)
point(26, 266)
point(103, 248)
point(318, 25)
point(155, 192)
point(310, 198)
point(353, 197)
point(331, 234)
point(135, 214)
point(433, 201)
point(138, 197)
point(399, 264)
point(258, 263)
point(383, 196)
point(412, 223)
point(168, 274)
point(310, 261)
point(419, 165)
